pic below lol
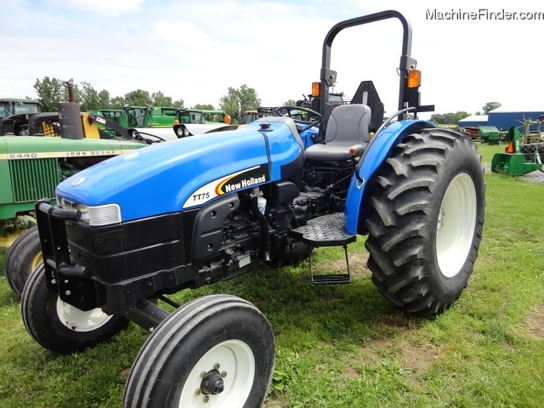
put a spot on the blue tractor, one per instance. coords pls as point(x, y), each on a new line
point(204, 209)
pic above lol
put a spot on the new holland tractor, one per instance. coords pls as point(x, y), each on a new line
point(203, 209)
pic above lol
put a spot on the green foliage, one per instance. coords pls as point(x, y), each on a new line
point(449, 118)
point(489, 106)
point(200, 106)
point(237, 101)
point(159, 99)
point(138, 97)
point(50, 92)
point(90, 98)
point(290, 102)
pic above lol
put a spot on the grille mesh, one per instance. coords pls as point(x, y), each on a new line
point(34, 179)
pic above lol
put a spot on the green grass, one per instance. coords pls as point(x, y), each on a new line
point(340, 346)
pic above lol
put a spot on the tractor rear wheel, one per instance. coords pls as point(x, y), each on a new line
point(530, 149)
point(215, 351)
point(426, 220)
point(60, 327)
point(22, 258)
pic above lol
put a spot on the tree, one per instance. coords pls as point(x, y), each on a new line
point(449, 118)
point(91, 99)
point(489, 106)
point(50, 92)
point(160, 100)
point(237, 101)
point(290, 102)
point(117, 103)
point(200, 106)
point(138, 97)
point(457, 116)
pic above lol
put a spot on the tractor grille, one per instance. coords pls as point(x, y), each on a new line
point(34, 179)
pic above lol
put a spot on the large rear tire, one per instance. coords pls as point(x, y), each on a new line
point(22, 257)
point(60, 327)
point(530, 149)
point(426, 220)
point(215, 351)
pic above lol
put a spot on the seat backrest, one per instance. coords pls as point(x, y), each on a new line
point(348, 125)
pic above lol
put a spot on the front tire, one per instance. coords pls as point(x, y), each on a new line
point(426, 221)
point(215, 351)
point(22, 257)
point(60, 327)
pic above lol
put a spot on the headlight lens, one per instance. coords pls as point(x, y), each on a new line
point(95, 216)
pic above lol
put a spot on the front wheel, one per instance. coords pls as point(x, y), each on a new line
point(21, 258)
point(216, 351)
point(57, 325)
point(426, 220)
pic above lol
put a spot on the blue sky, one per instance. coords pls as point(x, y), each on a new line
point(195, 49)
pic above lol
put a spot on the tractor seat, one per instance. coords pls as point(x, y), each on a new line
point(348, 127)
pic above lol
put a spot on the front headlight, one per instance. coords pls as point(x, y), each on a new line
point(95, 216)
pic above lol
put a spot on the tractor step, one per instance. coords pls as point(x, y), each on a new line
point(327, 230)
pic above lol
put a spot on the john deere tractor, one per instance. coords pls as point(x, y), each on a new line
point(32, 166)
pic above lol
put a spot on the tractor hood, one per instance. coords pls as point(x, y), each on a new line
point(189, 172)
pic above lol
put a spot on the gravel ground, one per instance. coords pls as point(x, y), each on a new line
point(536, 176)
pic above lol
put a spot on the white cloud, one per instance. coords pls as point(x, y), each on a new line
point(194, 50)
point(103, 8)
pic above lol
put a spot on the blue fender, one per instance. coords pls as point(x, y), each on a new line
point(377, 152)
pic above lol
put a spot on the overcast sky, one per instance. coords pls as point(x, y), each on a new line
point(196, 49)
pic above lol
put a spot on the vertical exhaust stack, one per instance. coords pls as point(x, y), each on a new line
point(70, 116)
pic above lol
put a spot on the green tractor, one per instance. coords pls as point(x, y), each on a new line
point(514, 161)
point(15, 114)
point(30, 169)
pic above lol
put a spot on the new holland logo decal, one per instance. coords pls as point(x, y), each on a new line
point(228, 184)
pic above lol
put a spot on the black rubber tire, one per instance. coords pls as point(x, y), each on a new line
point(423, 238)
point(170, 363)
point(530, 149)
point(21, 258)
point(39, 308)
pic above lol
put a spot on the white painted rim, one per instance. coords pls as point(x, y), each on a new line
point(233, 357)
point(456, 225)
point(80, 321)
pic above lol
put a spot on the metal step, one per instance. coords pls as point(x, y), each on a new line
point(327, 230)
point(331, 279)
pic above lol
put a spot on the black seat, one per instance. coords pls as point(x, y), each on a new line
point(346, 136)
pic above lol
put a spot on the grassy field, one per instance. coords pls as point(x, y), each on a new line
point(340, 346)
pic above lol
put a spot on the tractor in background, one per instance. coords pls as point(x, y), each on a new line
point(62, 144)
point(514, 162)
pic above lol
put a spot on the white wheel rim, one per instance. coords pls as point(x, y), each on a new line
point(236, 362)
point(456, 224)
point(80, 321)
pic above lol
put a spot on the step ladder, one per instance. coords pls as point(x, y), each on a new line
point(327, 230)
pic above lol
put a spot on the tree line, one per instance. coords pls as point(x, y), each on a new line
point(454, 118)
point(51, 91)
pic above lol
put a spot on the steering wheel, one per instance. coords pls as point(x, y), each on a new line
point(312, 118)
point(147, 138)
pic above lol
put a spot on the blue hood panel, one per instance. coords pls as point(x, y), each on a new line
point(185, 173)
